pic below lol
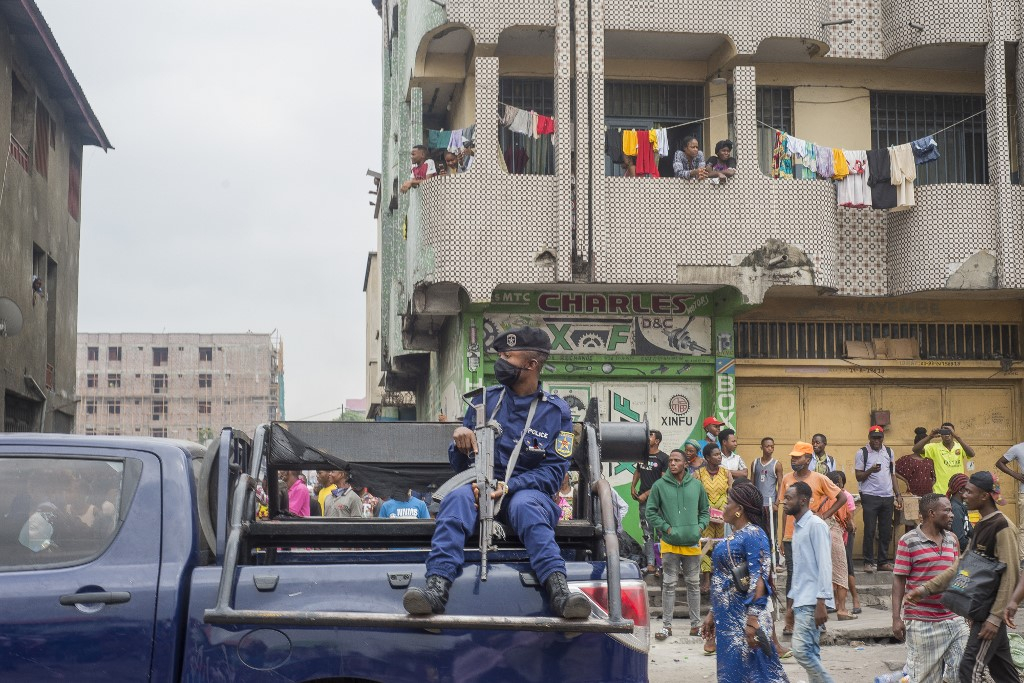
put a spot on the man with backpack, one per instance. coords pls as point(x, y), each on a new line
point(874, 466)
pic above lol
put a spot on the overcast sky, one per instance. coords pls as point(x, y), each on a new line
point(236, 196)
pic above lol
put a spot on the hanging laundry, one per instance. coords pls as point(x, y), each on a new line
point(823, 162)
point(545, 125)
point(467, 133)
point(533, 125)
point(782, 163)
point(520, 122)
point(805, 166)
point(853, 190)
point(839, 167)
point(646, 166)
point(925, 149)
point(455, 144)
point(795, 146)
point(508, 115)
point(516, 160)
point(662, 135)
point(613, 145)
point(883, 194)
point(903, 173)
point(439, 139)
point(629, 143)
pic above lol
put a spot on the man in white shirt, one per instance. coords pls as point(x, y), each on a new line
point(730, 459)
point(1016, 452)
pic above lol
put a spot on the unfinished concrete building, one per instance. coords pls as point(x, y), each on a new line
point(183, 386)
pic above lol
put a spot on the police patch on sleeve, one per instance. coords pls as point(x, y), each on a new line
point(563, 444)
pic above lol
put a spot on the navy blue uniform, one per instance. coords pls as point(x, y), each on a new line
point(528, 506)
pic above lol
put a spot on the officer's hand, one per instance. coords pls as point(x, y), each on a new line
point(499, 490)
point(465, 440)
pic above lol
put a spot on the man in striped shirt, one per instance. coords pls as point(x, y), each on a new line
point(935, 636)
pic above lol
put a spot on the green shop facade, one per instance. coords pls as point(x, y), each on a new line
point(658, 354)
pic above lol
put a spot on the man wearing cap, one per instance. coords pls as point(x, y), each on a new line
point(537, 439)
point(995, 537)
point(874, 466)
point(948, 455)
point(712, 427)
point(826, 499)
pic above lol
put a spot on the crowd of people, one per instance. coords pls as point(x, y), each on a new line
point(730, 528)
point(334, 494)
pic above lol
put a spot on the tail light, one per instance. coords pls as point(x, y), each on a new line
point(634, 606)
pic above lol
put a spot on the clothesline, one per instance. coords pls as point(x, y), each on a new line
point(686, 123)
point(941, 130)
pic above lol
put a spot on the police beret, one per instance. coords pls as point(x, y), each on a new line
point(522, 339)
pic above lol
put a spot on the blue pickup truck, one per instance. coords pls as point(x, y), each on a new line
point(137, 559)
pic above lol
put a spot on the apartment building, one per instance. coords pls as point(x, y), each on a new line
point(181, 386)
point(50, 123)
point(760, 300)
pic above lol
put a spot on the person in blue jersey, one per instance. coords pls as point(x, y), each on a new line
point(537, 437)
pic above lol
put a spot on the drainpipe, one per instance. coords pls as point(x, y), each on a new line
point(42, 394)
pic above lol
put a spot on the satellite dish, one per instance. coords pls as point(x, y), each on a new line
point(10, 318)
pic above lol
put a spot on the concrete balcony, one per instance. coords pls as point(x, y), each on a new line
point(935, 22)
point(488, 19)
point(947, 241)
point(480, 230)
point(786, 19)
point(752, 232)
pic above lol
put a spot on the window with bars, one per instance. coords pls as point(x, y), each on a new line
point(205, 407)
point(524, 154)
point(774, 109)
point(159, 384)
point(160, 408)
point(899, 117)
point(92, 380)
point(90, 406)
point(114, 380)
point(114, 353)
point(826, 340)
point(114, 406)
point(205, 380)
point(631, 105)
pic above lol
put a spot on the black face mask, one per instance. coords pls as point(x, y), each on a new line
point(799, 468)
point(506, 373)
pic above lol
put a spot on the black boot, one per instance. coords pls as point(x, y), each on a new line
point(429, 600)
point(563, 603)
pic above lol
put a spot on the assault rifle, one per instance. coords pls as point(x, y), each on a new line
point(486, 434)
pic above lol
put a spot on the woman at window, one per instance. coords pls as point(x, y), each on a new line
point(723, 164)
point(688, 162)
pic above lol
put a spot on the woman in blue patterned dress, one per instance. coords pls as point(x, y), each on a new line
point(740, 620)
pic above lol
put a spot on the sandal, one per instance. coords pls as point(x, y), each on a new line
point(786, 655)
point(856, 610)
point(846, 617)
point(664, 633)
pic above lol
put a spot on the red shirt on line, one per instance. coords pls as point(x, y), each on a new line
point(919, 559)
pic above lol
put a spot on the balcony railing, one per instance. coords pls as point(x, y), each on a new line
point(20, 154)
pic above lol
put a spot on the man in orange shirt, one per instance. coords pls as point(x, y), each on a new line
point(826, 500)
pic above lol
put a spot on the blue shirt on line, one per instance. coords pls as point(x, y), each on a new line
point(812, 561)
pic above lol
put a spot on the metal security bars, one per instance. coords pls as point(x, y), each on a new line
point(775, 108)
point(898, 118)
point(531, 94)
point(665, 101)
point(825, 340)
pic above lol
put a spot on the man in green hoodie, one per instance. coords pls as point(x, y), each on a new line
point(678, 508)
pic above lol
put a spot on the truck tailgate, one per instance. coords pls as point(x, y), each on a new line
point(293, 653)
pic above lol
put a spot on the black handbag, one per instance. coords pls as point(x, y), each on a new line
point(740, 572)
point(973, 589)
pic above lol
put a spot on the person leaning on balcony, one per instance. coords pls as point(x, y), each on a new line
point(688, 162)
point(723, 164)
point(422, 168)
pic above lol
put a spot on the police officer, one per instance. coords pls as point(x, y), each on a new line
point(527, 503)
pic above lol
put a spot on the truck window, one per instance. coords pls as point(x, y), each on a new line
point(60, 511)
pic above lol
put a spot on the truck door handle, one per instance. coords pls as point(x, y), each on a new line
point(107, 598)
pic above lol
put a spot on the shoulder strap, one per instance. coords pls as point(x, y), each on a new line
point(864, 454)
point(514, 458)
